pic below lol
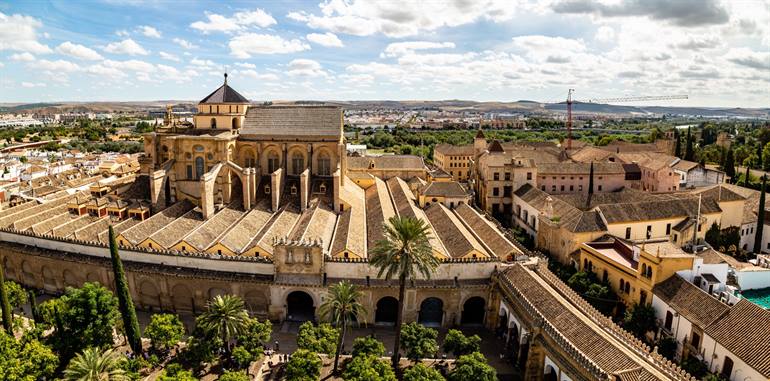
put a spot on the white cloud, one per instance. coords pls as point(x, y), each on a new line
point(19, 33)
point(78, 51)
point(26, 57)
point(122, 33)
point(149, 31)
point(237, 22)
point(55, 66)
point(30, 84)
point(260, 76)
point(401, 48)
point(749, 58)
point(243, 46)
point(168, 56)
point(327, 39)
point(204, 63)
point(605, 34)
point(306, 68)
point(246, 65)
point(127, 46)
point(184, 43)
point(404, 18)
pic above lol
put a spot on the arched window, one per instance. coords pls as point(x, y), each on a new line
point(213, 122)
point(324, 164)
point(272, 162)
point(622, 284)
point(249, 161)
point(198, 167)
point(297, 163)
point(644, 269)
point(628, 288)
point(649, 272)
point(236, 123)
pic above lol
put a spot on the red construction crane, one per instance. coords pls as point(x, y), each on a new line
point(570, 101)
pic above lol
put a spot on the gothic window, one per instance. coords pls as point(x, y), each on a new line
point(324, 164)
point(198, 167)
point(272, 162)
point(213, 122)
point(297, 163)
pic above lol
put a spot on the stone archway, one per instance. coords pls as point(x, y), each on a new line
point(386, 311)
point(431, 312)
point(70, 279)
point(550, 373)
point(216, 291)
point(182, 298)
point(299, 307)
point(27, 275)
point(49, 280)
point(256, 302)
point(473, 311)
point(148, 294)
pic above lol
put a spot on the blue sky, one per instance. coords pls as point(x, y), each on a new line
point(716, 51)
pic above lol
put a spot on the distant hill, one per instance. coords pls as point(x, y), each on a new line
point(527, 107)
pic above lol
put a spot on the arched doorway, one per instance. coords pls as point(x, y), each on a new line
point(473, 311)
point(216, 291)
point(299, 307)
point(550, 374)
point(387, 311)
point(256, 302)
point(149, 295)
point(182, 297)
point(431, 312)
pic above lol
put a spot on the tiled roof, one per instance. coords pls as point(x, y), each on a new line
point(206, 234)
point(488, 234)
point(745, 331)
point(694, 304)
point(603, 352)
point(379, 209)
point(386, 162)
point(444, 189)
point(172, 233)
point(293, 122)
point(656, 209)
point(136, 234)
point(456, 238)
point(495, 146)
point(247, 227)
point(454, 150)
point(224, 94)
point(600, 168)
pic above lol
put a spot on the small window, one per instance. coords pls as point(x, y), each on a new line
point(529, 175)
point(628, 233)
point(219, 251)
point(496, 176)
point(668, 229)
point(600, 188)
point(267, 189)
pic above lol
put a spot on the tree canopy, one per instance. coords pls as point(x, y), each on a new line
point(320, 338)
point(303, 365)
point(419, 341)
point(164, 330)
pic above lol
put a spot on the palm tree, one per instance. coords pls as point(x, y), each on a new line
point(226, 316)
point(404, 252)
point(342, 307)
point(96, 365)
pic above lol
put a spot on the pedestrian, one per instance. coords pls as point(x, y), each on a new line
point(276, 346)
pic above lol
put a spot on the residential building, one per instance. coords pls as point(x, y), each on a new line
point(633, 269)
point(455, 160)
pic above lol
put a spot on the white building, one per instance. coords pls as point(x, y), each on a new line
point(730, 340)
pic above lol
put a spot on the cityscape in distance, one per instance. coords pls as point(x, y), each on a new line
point(544, 190)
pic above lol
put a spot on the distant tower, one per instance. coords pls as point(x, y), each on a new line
point(225, 108)
point(479, 144)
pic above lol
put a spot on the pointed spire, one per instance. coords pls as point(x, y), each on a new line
point(225, 76)
point(480, 134)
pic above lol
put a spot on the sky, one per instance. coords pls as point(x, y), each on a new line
point(717, 52)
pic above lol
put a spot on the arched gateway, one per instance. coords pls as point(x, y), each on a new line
point(299, 307)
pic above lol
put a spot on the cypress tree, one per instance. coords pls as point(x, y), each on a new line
point(746, 179)
point(33, 303)
point(760, 219)
point(730, 165)
point(689, 154)
point(5, 304)
point(590, 185)
point(130, 324)
point(677, 143)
